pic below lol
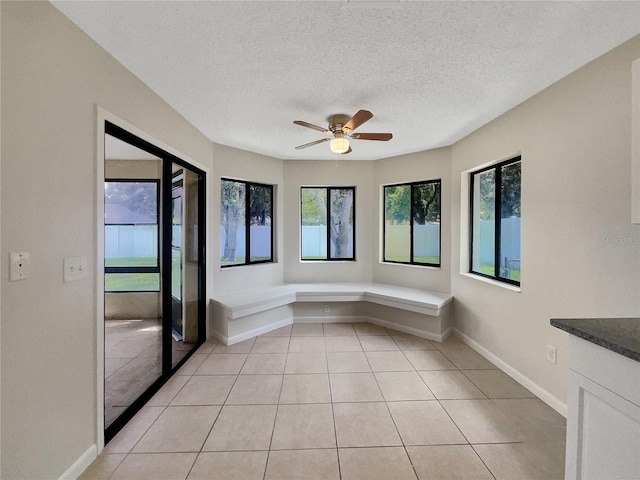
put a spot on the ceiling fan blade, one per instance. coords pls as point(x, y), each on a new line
point(309, 125)
point(358, 119)
point(348, 151)
point(372, 136)
point(299, 147)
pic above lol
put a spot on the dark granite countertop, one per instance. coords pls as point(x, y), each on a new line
point(620, 335)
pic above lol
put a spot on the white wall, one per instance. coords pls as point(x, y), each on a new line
point(53, 76)
point(580, 252)
point(343, 173)
point(430, 165)
point(242, 165)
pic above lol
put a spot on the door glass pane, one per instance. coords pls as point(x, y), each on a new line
point(232, 233)
point(510, 222)
point(132, 323)
point(131, 223)
point(186, 285)
point(341, 203)
point(483, 248)
point(314, 223)
point(397, 223)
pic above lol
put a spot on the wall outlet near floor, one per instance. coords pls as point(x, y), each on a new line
point(552, 354)
point(327, 309)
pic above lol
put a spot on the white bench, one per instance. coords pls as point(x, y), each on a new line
point(241, 315)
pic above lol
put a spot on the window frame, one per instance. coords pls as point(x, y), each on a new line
point(247, 223)
point(138, 269)
point(497, 168)
point(411, 186)
point(328, 236)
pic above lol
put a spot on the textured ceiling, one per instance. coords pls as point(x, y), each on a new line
point(431, 72)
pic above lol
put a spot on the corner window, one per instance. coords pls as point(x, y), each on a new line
point(246, 216)
point(327, 223)
point(412, 223)
point(131, 235)
point(495, 222)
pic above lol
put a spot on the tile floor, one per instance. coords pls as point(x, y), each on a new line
point(338, 401)
point(133, 361)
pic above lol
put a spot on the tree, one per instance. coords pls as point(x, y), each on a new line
point(511, 190)
point(314, 206)
point(332, 208)
point(233, 206)
point(259, 205)
point(139, 197)
point(341, 221)
point(396, 204)
point(426, 203)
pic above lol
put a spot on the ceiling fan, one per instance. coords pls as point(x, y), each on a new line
point(341, 129)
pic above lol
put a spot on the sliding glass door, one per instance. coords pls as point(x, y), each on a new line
point(154, 270)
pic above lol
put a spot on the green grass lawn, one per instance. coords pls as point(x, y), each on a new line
point(131, 282)
point(487, 269)
point(131, 262)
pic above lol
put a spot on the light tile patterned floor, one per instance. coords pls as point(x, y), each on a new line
point(338, 401)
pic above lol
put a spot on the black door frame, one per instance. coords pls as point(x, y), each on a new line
point(168, 160)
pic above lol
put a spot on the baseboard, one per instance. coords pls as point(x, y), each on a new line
point(523, 380)
point(218, 336)
point(81, 464)
point(411, 330)
point(331, 319)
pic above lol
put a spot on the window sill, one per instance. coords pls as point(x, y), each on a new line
point(244, 265)
point(410, 265)
point(303, 262)
point(496, 283)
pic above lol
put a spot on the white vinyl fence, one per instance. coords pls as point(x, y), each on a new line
point(426, 240)
point(130, 241)
point(510, 241)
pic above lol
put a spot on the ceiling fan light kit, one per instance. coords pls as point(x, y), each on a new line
point(340, 144)
point(341, 128)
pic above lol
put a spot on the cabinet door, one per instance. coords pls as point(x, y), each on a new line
point(603, 433)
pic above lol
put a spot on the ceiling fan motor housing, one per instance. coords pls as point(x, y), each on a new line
point(337, 122)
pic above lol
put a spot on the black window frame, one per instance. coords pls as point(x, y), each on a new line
point(497, 168)
point(247, 223)
point(328, 238)
point(411, 185)
point(138, 269)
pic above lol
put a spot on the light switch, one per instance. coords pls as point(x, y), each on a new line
point(19, 266)
point(75, 268)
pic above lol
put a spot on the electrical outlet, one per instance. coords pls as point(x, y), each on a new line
point(75, 268)
point(327, 309)
point(552, 354)
point(19, 266)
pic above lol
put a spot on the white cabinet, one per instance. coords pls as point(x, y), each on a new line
point(603, 423)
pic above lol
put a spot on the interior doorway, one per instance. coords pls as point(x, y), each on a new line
point(154, 276)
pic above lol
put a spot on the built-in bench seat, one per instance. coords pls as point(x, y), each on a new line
point(241, 315)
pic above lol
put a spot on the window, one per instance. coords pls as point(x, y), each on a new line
point(495, 245)
point(328, 223)
point(412, 223)
point(247, 213)
point(131, 235)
